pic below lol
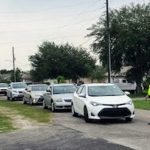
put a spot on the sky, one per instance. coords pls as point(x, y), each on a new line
point(25, 24)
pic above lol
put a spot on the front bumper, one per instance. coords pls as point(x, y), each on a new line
point(38, 100)
point(17, 95)
point(62, 105)
point(110, 112)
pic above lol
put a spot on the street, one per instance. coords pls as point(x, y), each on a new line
point(68, 133)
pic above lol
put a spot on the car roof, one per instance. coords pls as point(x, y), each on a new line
point(98, 84)
point(17, 82)
point(37, 84)
point(62, 84)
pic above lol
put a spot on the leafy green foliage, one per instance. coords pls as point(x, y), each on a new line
point(60, 79)
point(130, 40)
point(98, 73)
point(53, 60)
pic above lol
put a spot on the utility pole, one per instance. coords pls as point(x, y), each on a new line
point(14, 72)
point(108, 42)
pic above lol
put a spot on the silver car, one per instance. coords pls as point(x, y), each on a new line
point(58, 96)
point(15, 90)
point(3, 88)
point(34, 94)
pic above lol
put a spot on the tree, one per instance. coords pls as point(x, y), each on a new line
point(130, 40)
point(98, 73)
point(53, 60)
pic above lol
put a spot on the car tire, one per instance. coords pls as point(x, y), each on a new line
point(53, 107)
point(44, 105)
point(8, 98)
point(24, 101)
point(30, 101)
point(86, 116)
point(129, 119)
point(11, 98)
point(74, 114)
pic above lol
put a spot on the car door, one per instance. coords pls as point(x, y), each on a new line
point(81, 100)
point(76, 99)
point(47, 96)
point(27, 93)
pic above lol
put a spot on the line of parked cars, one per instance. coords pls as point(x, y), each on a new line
point(92, 101)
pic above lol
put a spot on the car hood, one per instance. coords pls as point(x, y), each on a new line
point(37, 93)
point(63, 96)
point(110, 99)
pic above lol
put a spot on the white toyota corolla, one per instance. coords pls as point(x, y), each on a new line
point(102, 101)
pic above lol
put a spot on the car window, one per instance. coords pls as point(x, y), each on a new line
point(3, 85)
point(108, 90)
point(83, 91)
point(39, 88)
point(19, 85)
point(63, 89)
point(79, 90)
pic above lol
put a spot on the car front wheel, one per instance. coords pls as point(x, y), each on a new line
point(44, 105)
point(53, 107)
point(24, 101)
point(86, 116)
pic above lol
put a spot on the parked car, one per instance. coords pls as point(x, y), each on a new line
point(3, 88)
point(15, 90)
point(102, 101)
point(58, 96)
point(34, 94)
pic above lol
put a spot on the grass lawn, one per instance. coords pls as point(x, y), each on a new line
point(140, 104)
point(5, 124)
point(40, 115)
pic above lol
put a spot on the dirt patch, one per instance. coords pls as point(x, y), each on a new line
point(19, 121)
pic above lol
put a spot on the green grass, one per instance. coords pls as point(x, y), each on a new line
point(140, 104)
point(40, 115)
point(5, 124)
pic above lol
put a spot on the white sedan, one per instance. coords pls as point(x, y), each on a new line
point(102, 101)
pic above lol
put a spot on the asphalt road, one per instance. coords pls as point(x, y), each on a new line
point(69, 133)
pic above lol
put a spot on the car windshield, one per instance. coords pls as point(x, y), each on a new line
point(64, 89)
point(3, 85)
point(39, 88)
point(18, 85)
point(107, 90)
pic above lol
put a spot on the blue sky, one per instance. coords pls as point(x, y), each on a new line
point(25, 24)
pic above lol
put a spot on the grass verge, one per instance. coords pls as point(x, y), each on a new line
point(140, 104)
point(5, 124)
point(40, 115)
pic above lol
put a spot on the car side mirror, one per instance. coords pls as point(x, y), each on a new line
point(127, 93)
point(82, 95)
point(48, 91)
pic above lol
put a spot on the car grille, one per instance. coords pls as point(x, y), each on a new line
point(67, 100)
point(20, 92)
point(114, 112)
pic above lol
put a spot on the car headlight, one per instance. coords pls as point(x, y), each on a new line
point(58, 100)
point(129, 102)
point(95, 103)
